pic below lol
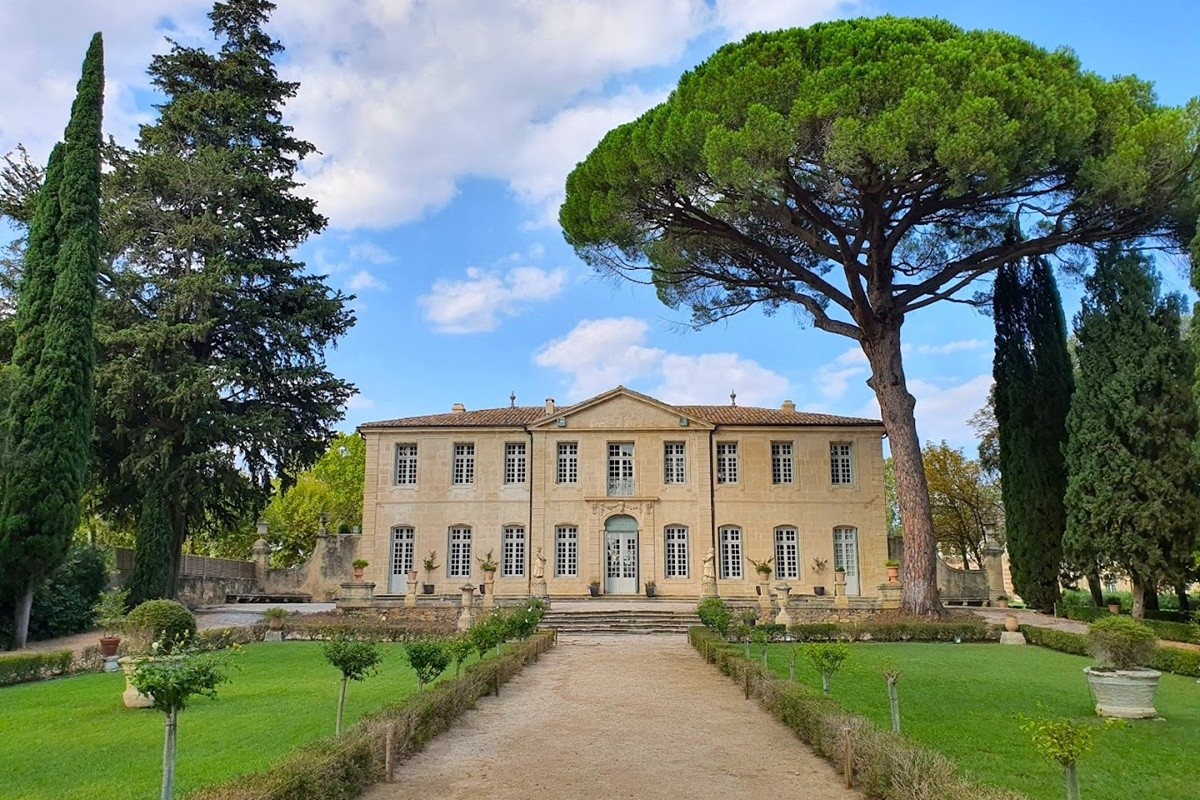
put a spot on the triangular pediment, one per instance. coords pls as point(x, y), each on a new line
point(624, 409)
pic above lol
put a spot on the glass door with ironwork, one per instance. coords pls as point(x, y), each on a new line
point(620, 562)
point(402, 560)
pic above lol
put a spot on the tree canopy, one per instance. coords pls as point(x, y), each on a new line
point(965, 504)
point(860, 170)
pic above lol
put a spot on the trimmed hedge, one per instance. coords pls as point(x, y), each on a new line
point(885, 765)
point(1082, 613)
point(25, 667)
point(341, 767)
point(1166, 659)
point(333, 626)
point(1175, 631)
point(898, 630)
point(1169, 615)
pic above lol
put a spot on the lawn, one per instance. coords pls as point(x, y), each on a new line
point(963, 700)
point(73, 738)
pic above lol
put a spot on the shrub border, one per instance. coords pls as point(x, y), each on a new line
point(884, 764)
point(341, 767)
point(1166, 659)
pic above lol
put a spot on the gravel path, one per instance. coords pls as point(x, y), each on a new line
point(619, 717)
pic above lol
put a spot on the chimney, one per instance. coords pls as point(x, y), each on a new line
point(789, 406)
point(458, 408)
point(550, 405)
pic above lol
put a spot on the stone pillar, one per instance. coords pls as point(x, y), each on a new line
point(993, 567)
point(262, 557)
point(840, 600)
point(782, 594)
point(539, 588)
point(466, 619)
point(357, 595)
point(489, 595)
point(410, 599)
point(889, 596)
point(708, 587)
point(765, 612)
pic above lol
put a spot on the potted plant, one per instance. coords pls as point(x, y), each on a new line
point(763, 568)
point(110, 615)
point(359, 564)
point(649, 588)
point(488, 565)
point(1113, 602)
point(429, 565)
point(1121, 684)
point(818, 567)
point(1001, 601)
point(274, 617)
point(893, 570)
point(594, 588)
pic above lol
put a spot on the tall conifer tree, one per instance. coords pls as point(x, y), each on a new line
point(1034, 382)
point(1132, 499)
point(48, 425)
point(214, 378)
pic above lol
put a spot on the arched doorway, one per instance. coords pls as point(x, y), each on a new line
point(620, 555)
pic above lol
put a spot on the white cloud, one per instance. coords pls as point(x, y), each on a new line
point(475, 305)
point(962, 345)
point(599, 354)
point(943, 410)
point(369, 252)
point(363, 280)
point(740, 17)
point(359, 403)
point(833, 379)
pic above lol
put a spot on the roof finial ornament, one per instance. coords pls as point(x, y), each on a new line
point(512, 400)
point(733, 398)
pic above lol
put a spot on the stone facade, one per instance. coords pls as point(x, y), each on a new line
point(594, 492)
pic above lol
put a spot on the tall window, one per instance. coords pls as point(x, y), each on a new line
point(841, 463)
point(781, 462)
point(514, 462)
point(406, 464)
point(731, 552)
point(676, 551)
point(403, 538)
point(566, 551)
point(568, 462)
point(458, 565)
point(727, 462)
point(464, 463)
point(512, 558)
point(787, 553)
point(620, 469)
point(673, 464)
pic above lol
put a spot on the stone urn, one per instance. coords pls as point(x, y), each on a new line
point(1010, 623)
point(131, 696)
point(1123, 693)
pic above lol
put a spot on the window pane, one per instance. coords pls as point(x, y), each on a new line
point(513, 556)
point(676, 551)
point(568, 462)
point(406, 464)
point(458, 565)
point(566, 551)
point(673, 462)
point(514, 462)
point(727, 462)
point(731, 553)
point(781, 462)
point(841, 470)
point(464, 463)
point(787, 555)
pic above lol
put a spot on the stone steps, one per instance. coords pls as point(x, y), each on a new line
point(620, 621)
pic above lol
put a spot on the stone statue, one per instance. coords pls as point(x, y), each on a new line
point(539, 565)
point(709, 572)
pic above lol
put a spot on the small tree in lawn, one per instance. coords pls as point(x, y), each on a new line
point(428, 659)
point(171, 680)
point(357, 661)
point(828, 658)
point(487, 634)
point(1064, 742)
point(459, 649)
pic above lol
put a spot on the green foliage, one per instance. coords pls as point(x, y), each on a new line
point(62, 604)
point(1034, 382)
point(1121, 642)
point(714, 613)
point(48, 422)
point(110, 610)
point(23, 667)
point(488, 633)
point(154, 555)
point(524, 619)
point(428, 658)
point(178, 672)
point(354, 659)
point(1062, 741)
point(275, 613)
point(964, 502)
point(828, 658)
point(162, 621)
point(459, 648)
point(970, 629)
point(1131, 499)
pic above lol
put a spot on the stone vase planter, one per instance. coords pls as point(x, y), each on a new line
point(893, 574)
point(1010, 623)
point(1123, 693)
point(131, 696)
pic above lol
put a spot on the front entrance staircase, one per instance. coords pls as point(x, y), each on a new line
point(620, 617)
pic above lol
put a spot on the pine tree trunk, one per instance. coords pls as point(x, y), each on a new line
point(1139, 596)
point(1185, 603)
point(919, 594)
point(168, 765)
point(21, 612)
point(1096, 588)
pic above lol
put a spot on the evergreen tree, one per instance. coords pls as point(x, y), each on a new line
point(213, 379)
point(1034, 382)
point(1132, 498)
point(48, 425)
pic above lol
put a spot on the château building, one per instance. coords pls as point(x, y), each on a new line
point(622, 489)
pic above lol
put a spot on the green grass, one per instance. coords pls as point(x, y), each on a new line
point(963, 700)
point(73, 738)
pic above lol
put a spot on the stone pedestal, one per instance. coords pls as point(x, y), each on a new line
point(539, 588)
point(765, 612)
point(708, 587)
point(466, 619)
point(889, 596)
point(357, 595)
point(993, 567)
point(262, 557)
point(840, 600)
point(489, 595)
point(273, 636)
point(1012, 637)
point(783, 593)
point(110, 664)
point(410, 599)
point(131, 696)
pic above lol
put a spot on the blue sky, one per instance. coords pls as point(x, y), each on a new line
point(446, 129)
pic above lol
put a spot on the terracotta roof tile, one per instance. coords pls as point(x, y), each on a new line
point(748, 415)
point(509, 417)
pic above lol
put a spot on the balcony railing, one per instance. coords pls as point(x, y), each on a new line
point(620, 487)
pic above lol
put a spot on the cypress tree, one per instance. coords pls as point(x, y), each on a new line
point(1131, 495)
point(1034, 383)
point(48, 425)
point(153, 565)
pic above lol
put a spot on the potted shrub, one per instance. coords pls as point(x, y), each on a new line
point(154, 629)
point(274, 617)
point(649, 588)
point(110, 615)
point(763, 568)
point(594, 588)
point(488, 565)
point(359, 564)
point(429, 565)
point(818, 566)
point(893, 570)
point(1121, 684)
point(1113, 602)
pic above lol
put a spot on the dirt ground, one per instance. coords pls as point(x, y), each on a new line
point(617, 717)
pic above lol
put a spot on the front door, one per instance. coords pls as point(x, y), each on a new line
point(402, 560)
point(845, 556)
point(620, 556)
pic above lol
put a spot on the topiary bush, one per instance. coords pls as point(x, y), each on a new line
point(1121, 642)
point(715, 615)
point(167, 621)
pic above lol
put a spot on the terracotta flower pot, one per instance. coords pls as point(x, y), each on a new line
point(893, 574)
point(109, 645)
point(358, 573)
